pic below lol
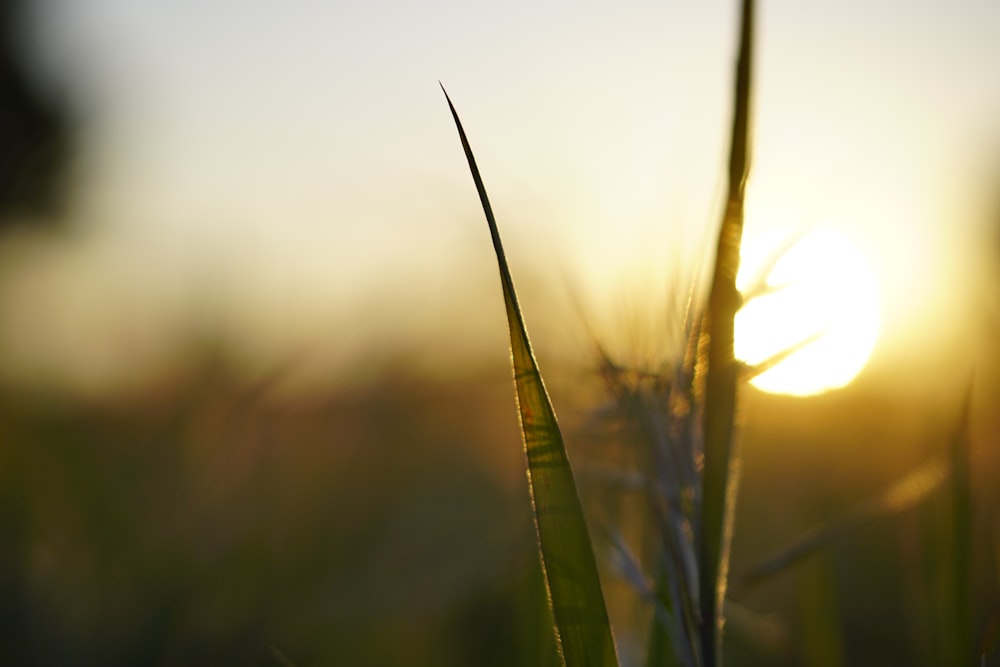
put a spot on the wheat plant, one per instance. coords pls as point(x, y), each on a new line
point(700, 465)
point(682, 426)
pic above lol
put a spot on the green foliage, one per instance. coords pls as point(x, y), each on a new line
point(682, 430)
point(581, 620)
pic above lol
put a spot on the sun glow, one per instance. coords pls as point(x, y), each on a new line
point(822, 286)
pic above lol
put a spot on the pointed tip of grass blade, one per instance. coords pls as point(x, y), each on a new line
point(508, 284)
point(582, 630)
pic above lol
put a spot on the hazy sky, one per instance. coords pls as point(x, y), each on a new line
point(286, 174)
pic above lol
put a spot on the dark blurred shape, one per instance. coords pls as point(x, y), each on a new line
point(208, 522)
point(34, 130)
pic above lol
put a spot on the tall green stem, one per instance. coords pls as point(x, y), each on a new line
point(721, 465)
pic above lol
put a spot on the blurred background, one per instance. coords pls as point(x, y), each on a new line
point(254, 397)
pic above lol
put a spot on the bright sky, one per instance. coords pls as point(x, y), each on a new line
point(287, 174)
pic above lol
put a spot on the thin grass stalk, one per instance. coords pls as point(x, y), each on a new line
point(721, 455)
point(905, 493)
point(678, 524)
point(658, 413)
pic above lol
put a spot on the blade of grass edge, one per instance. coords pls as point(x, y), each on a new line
point(583, 632)
point(721, 463)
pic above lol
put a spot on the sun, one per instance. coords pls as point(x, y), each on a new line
point(822, 287)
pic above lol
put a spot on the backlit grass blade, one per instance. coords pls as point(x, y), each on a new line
point(721, 463)
point(583, 633)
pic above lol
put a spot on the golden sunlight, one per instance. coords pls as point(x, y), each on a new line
point(821, 287)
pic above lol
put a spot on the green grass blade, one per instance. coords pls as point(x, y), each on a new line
point(721, 470)
point(583, 632)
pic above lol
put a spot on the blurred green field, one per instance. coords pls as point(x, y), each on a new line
point(372, 509)
point(211, 523)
